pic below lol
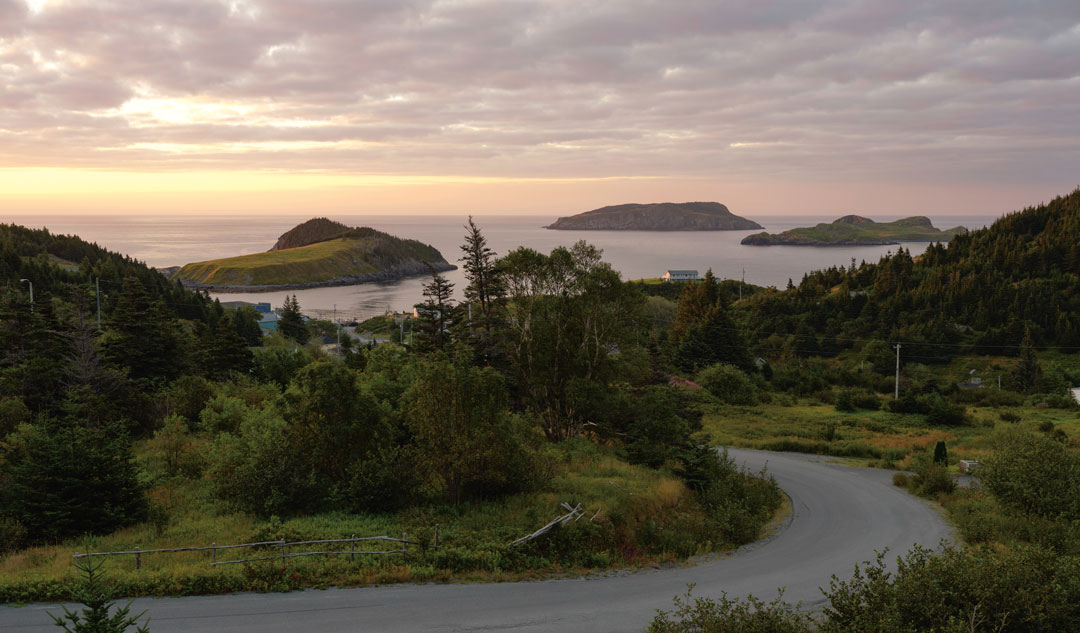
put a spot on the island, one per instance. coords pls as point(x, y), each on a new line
point(317, 253)
point(662, 216)
point(855, 230)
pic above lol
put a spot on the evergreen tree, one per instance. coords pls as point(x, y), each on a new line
point(1027, 376)
point(435, 314)
point(291, 322)
point(71, 480)
point(228, 352)
point(143, 337)
point(941, 454)
point(485, 285)
point(97, 598)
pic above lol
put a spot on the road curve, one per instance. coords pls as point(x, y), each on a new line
point(841, 516)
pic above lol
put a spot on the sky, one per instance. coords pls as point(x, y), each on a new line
point(537, 106)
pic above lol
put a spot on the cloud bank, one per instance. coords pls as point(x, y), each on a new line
point(847, 90)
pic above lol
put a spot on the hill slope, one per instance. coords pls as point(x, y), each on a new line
point(311, 232)
point(354, 256)
point(977, 294)
point(663, 216)
point(854, 230)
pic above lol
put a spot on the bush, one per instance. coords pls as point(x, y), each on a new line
point(900, 480)
point(749, 615)
point(933, 480)
point(728, 383)
point(845, 401)
point(1033, 474)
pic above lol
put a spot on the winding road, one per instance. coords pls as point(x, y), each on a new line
point(840, 516)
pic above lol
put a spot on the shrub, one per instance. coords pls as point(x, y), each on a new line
point(749, 615)
point(933, 480)
point(845, 401)
point(728, 383)
point(1033, 474)
point(900, 480)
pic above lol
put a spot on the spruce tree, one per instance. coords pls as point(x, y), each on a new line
point(291, 322)
point(435, 314)
point(1028, 373)
point(97, 598)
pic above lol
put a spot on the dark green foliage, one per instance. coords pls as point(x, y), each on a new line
point(727, 615)
point(332, 419)
point(485, 288)
point(1034, 474)
point(12, 413)
point(97, 598)
point(67, 480)
point(978, 295)
point(291, 321)
point(435, 315)
point(569, 318)
point(143, 337)
point(261, 469)
point(704, 332)
point(736, 503)
point(941, 454)
point(1029, 590)
point(227, 351)
point(279, 365)
point(728, 383)
point(465, 440)
point(1028, 374)
point(657, 432)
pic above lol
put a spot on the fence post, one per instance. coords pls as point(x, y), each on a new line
point(213, 552)
point(436, 536)
point(283, 552)
point(404, 545)
point(352, 548)
point(138, 559)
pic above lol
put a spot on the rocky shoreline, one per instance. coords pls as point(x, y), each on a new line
point(347, 280)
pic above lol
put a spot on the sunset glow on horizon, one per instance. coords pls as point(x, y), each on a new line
point(543, 107)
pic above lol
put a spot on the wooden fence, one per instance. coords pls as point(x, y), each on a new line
point(283, 553)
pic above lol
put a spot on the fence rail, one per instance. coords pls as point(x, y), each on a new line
point(282, 546)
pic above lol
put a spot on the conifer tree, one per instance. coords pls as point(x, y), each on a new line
point(291, 322)
point(1028, 373)
point(435, 314)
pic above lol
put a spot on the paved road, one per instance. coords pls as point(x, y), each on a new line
point(841, 515)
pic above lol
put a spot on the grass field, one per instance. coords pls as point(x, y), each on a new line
point(883, 438)
point(633, 516)
point(318, 262)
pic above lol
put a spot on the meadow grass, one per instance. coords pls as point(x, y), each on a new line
point(880, 437)
point(633, 516)
point(322, 261)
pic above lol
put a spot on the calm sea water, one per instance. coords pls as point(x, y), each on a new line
point(174, 240)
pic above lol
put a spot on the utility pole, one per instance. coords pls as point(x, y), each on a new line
point(897, 396)
point(97, 291)
point(31, 294)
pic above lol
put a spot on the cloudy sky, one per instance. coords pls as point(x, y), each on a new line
point(537, 106)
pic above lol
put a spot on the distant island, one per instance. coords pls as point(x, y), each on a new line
point(319, 252)
point(663, 216)
point(855, 230)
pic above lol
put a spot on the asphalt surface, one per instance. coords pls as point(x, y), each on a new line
point(840, 516)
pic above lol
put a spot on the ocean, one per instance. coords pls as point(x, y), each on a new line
point(171, 240)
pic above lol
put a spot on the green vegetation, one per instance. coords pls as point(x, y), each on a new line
point(359, 254)
point(478, 426)
point(853, 230)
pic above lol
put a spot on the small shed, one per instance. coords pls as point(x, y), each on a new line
point(680, 275)
point(969, 465)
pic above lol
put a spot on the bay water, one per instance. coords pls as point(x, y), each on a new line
point(173, 240)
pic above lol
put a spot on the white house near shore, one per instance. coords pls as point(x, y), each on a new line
point(680, 275)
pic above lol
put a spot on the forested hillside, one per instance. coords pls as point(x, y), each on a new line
point(977, 294)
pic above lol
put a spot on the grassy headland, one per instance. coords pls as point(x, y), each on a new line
point(854, 230)
point(360, 255)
